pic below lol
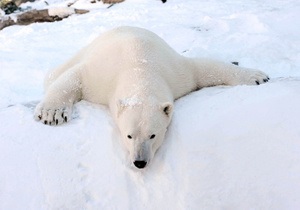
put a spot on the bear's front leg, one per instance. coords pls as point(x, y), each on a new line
point(57, 105)
point(211, 73)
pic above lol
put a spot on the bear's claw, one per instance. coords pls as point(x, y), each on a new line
point(254, 78)
point(52, 116)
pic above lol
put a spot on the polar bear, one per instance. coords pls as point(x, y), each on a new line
point(138, 75)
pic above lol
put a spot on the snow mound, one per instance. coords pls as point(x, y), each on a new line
point(61, 11)
point(225, 145)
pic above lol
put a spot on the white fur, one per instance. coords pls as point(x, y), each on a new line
point(138, 76)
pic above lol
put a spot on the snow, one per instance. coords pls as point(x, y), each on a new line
point(131, 102)
point(61, 11)
point(226, 148)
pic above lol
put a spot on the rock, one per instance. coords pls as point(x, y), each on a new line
point(112, 1)
point(8, 6)
point(35, 16)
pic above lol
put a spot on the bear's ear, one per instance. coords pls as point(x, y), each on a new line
point(120, 107)
point(167, 108)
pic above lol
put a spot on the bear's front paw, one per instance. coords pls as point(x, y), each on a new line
point(52, 115)
point(253, 77)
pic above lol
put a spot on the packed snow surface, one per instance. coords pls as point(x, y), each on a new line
point(226, 148)
point(61, 11)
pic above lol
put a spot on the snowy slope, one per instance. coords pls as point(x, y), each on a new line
point(226, 148)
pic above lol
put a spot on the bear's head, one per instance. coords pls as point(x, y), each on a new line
point(143, 129)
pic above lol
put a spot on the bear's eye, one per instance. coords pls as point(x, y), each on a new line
point(129, 137)
point(152, 136)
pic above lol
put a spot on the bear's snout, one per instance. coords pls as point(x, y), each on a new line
point(140, 163)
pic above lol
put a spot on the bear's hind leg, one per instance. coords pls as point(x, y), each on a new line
point(57, 105)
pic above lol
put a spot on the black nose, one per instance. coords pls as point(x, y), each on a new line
point(140, 163)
